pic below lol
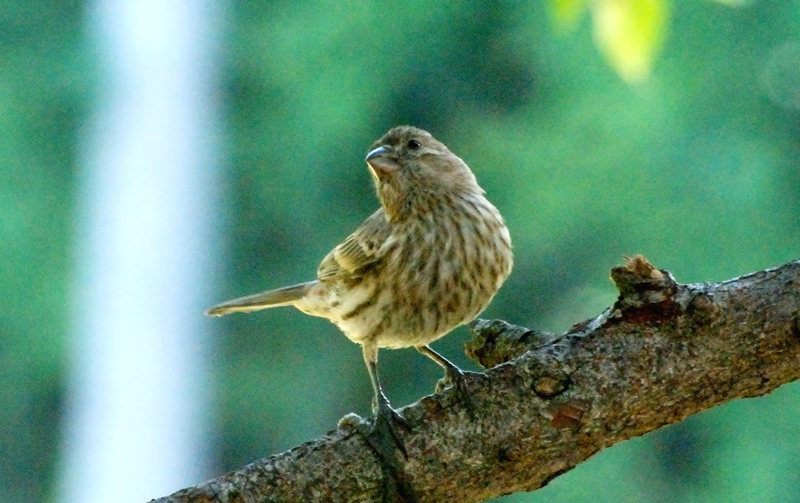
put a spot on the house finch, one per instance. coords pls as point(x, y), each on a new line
point(430, 259)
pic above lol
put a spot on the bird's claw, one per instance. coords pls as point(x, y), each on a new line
point(383, 436)
point(457, 378)
point(385, 429)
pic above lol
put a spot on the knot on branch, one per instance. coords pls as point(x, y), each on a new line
point(495, 341)
point(647, 294)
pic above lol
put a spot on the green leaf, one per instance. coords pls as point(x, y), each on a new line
point(629, 34)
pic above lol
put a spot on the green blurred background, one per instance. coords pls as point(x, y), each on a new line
point(696, 166)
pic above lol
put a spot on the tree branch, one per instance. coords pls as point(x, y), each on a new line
point(664, 351)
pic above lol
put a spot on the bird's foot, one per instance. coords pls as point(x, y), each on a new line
point(385, 430)
point(457, 378)
point(385, 440)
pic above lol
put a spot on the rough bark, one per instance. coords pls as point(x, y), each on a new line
point(664, 351)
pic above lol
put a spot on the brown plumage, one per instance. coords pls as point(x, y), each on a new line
point(430, 259)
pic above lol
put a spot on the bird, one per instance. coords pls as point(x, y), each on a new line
point(430, 259)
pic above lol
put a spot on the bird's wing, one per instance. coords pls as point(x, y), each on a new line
point(359, 251)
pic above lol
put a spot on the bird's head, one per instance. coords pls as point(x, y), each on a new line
point(412, 169)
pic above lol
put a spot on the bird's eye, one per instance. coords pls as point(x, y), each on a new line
point(414, 144)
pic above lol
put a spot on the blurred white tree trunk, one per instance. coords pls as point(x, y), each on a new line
point(137, 405)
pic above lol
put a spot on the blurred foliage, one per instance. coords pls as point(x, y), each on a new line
point(44, 98)
point(696, 166)
point(629, 33)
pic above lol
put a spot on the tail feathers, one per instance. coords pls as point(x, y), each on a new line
point(273, 298)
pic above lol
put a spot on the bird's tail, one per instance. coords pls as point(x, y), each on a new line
point(273, 298)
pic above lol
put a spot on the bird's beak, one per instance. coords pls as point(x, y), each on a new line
point(382, 162)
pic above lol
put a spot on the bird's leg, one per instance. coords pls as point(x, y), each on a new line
point(386, 418)
point(453, 375)
point(384, 437)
